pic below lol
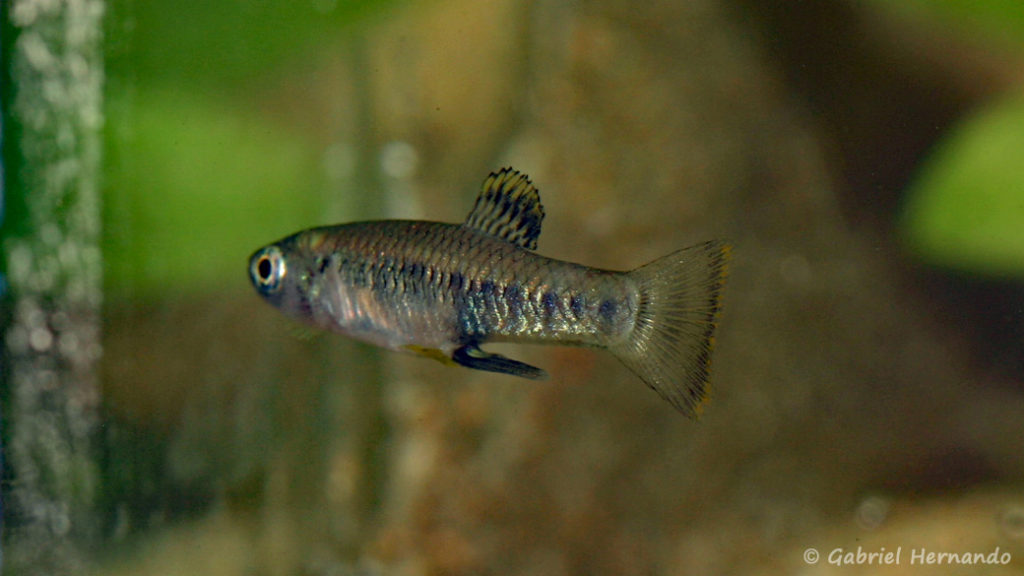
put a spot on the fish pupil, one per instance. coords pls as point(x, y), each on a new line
point(264, 268)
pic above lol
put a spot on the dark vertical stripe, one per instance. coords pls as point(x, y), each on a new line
point(488, 291)
point(549, 304)
point(576, 305)
point(455, 282)
point(466, 307)
point(513, 296)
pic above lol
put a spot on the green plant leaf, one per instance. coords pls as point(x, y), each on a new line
point(966, 209)
point(991, 20)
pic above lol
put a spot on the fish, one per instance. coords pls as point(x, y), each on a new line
point(442, 290)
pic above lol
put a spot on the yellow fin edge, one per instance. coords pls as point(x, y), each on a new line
point(432, 353)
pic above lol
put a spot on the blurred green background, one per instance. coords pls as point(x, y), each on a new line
point(196, 129)
point(867, 159)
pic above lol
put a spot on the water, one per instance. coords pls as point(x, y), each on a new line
point(227, 441)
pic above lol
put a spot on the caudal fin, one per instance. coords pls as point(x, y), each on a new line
point(670, 346)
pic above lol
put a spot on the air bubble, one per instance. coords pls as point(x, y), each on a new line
point(872, 512)
point(40, 339)
point(1011, 522)
point(399, 159)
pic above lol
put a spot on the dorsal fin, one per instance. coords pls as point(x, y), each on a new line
point(508, 207)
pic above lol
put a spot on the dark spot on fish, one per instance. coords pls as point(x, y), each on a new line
point(513, 296)
point(393, 276)
point(359, 274)
point(513, 291)
point(608, 309)
point(550, 303)
point(487, 289)
point(455, 281)
point(416, 271)
point(468, 314)
point(413, 278)
point(379, 279)
point(321, 264)
point(385, 280)
point(576, 304)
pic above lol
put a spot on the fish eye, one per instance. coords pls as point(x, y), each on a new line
point(267, 269)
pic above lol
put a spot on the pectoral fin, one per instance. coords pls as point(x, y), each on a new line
point(471, 356)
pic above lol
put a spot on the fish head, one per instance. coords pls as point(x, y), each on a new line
point(278, 275)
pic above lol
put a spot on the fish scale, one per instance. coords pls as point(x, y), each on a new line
point(442, 290)
point(483, 311)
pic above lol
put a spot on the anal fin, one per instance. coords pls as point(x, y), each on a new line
point(471, 356)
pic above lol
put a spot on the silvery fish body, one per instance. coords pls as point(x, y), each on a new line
point(442, 290)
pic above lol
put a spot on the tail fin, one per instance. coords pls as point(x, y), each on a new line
point(670, 346)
